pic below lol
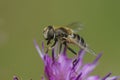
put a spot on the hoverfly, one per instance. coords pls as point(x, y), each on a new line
point(66, 35)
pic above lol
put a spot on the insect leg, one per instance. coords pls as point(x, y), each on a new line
point(60, 48)
point(48, 48)
point(55, 41)
point(70, 48)
point(48, 42)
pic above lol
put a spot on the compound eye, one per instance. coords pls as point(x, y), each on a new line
point(48, 32)
point(45, 35)
point(45, 32)
point(51, 33)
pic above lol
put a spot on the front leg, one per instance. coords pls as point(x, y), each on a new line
point(55, 41)
point(50, 47)
point(48, 42)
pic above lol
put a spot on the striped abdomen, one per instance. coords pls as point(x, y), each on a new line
point(79, 40)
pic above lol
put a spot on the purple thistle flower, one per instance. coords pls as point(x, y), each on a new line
point(60, 67)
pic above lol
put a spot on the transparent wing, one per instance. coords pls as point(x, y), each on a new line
point(75, 26)
point(89, 50)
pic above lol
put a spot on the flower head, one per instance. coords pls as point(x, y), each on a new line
point(60, 67)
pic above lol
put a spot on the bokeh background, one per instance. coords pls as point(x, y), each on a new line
point(22, 21)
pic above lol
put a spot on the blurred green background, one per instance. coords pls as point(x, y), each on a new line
point(22, 21)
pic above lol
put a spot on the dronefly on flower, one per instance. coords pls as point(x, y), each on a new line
point(60, 67)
